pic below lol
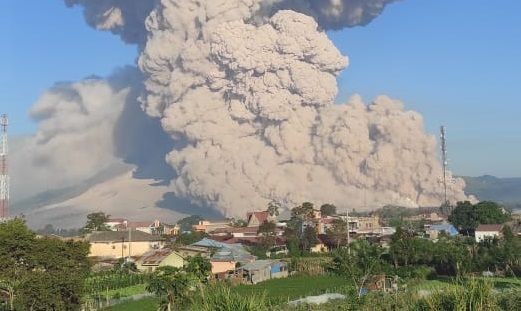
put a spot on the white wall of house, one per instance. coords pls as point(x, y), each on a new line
point(482, 235)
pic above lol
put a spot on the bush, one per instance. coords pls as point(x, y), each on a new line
point(510, 300)
point(475, 294)
point(418, 273)
point(220, 297)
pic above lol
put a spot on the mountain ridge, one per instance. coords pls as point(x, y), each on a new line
point(490, 188)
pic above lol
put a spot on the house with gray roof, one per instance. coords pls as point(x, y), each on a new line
point(263, 270)
point(225, 257)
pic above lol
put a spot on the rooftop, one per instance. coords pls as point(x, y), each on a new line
point(257, 265)
point(489, 228)
point(226, 252)
point(155, 257)
point(118, 236)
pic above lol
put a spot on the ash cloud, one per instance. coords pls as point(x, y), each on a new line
point(122, 17)
point(246, 89)
point(85, 129)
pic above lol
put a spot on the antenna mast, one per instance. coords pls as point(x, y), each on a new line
point(4, 174)
point(445, 163)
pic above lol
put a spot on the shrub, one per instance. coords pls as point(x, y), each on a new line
point(220, 297)
point(415, 273)
point(475, 294)
point(510, 300)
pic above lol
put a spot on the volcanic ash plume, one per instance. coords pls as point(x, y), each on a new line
point(247, 90)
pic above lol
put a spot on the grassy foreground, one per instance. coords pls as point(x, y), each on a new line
point(282, 290)
point(278, 290)
point(147, 304)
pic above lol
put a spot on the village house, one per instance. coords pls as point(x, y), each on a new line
point(243, 232)
point(262, 270)
point(483, 232)
point(209, 226)
point(434, 231)
point(154, 259)
point(255, 219)
point(325, 223)
point(225, 257)
point(120, 244)
point(364, 225)
point(428, 217)
point(151, 227)
point(192, 251)
point(320, 247)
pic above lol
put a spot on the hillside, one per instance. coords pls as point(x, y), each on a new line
point(504, 190)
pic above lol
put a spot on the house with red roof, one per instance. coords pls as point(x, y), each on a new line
point(255, 219)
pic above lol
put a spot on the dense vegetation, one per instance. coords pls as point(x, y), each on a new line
point(40, 273)
point(467, 216)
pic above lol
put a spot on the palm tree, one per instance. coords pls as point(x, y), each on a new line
point(8, 289)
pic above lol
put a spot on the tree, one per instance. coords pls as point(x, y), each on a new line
point(199, 267)
point(360, 263)
point(267, 232)
point(467, 216)
point(508, 256)
point(172, 285)
point(490, 213)
point(337, 233)
point(304, 212)
point(273, 208)
point(7, 289)
point(328, 210)
point(402, 247)
point(309, 238)
point(464, 217)
point(297, 232)
point(451, 257)
point(187, 223)
point(41, 273)
point(96, 222)
point(189, 238)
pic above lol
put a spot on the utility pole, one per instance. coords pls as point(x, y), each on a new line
point(122, 248)
point(348, 233)
point(129, 243)
point(4, 173)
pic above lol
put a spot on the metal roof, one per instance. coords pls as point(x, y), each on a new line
point(226, 252)
point(155, 257)
point(259, 265)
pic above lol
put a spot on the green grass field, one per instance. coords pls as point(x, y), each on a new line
point(128, 291)
point(278, 290)
point(147, 304)
point(281, 290)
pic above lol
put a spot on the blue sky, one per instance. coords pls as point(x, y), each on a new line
point(456, 62)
